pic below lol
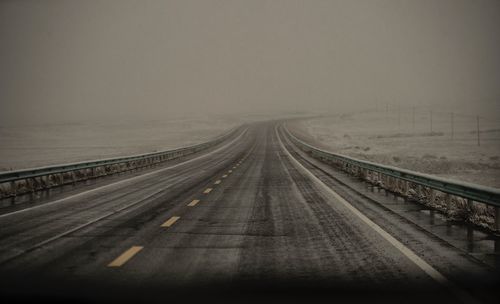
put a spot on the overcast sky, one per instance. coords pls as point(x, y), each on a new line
point(78, 60)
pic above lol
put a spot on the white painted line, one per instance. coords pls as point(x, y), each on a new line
point(224, 176)
point(123, 181)
point(428, 269)
point(108, 214)
point(207, 191)
point(217, 182)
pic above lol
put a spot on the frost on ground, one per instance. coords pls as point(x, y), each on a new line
point(48, 144)
point(393, 139)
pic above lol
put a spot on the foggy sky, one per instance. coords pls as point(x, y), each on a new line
point(79, 60)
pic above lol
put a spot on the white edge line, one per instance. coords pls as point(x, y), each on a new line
point(122, 181)
point(428, 269)
point(88, 223)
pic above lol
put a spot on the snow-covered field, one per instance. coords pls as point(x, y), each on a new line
point(393, 139)
point(40, 145)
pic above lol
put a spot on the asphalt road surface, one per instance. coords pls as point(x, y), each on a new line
point(253, 219)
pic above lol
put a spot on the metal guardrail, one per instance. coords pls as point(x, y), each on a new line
point(393, 178)
point(23, 181)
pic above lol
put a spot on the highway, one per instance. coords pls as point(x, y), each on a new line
point(253, 219)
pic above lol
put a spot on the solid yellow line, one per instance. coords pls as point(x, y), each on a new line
point(207, 191)
point(217, 182)
point(171, 221)
point(124, 257)
point(224, 176)
point(193, 203)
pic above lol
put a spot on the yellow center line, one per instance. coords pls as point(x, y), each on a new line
point(207, 191)
point(217, 182)
point(193, 203)
point(124, 257)
point(170, 221)
point(224, 176)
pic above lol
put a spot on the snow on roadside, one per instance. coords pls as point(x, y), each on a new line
point(387, 139)
point(40, 145)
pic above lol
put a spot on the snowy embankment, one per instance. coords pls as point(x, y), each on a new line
point(399, 140)
point(41, 145)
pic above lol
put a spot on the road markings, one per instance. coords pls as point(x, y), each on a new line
point(224, 176)
point(124, 257)
point(207, 191)
point(230, 171)
point(125, 180)
point(234, 167)
point(170, 221)
point(217, 182)
point(427, 268)
point(193, 203)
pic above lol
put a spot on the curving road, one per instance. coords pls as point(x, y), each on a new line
point(253, 219)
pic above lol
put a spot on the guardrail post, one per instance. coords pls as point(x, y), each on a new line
point(405, 187)
point(497, 219)
point(73, 177)
point(470, 204)
point(447, 201)
point(32, 184)
point(13, 188)
point(419, 192)
point(431, 190)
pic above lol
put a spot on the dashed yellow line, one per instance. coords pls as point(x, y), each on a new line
point(217, 182)
point(124, 257)
point(224, 176)
point(207, 191)
point(193, 203)
point(170, 221)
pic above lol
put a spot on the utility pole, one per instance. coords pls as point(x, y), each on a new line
point(387, 114)
point(478, 138)
point(452, 126)
point(431, 121)
point(413, 119)
point(399, 115)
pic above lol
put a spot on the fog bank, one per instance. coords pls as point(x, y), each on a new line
point(91, 60)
